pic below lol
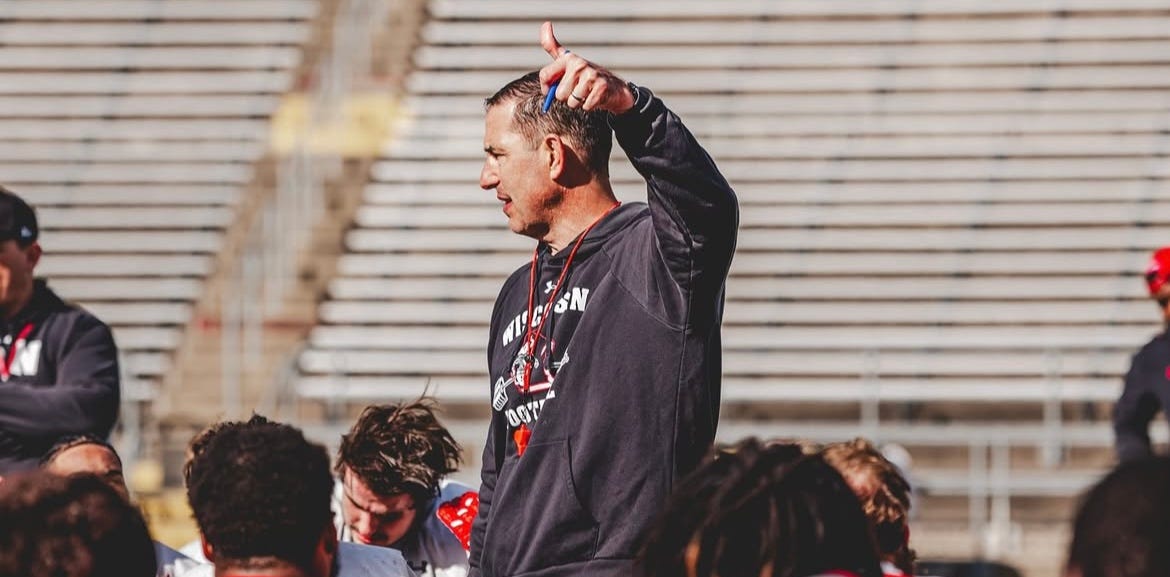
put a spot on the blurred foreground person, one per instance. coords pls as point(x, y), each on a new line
point(261, 494)
point(393, 491)
point(761, 510)
point(53, 526)
point(89, 455)
point(885, 497)
point(1122, 528)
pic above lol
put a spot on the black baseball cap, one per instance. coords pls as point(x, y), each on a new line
point(18, 220)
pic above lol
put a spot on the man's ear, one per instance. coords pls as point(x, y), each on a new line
point(323, 557)
point(208, 550)
point(555, 151)
point(34, 251)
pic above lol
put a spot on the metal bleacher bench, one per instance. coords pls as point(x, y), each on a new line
point(886, 338)
point(863, 376)
point(115, 266)
point(699, 9)
point(136, 10)
point(202, 129)
point(473, 388)
point(869, 31)
point(132, 33)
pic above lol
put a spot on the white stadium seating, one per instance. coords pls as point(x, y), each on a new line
point(133, 127)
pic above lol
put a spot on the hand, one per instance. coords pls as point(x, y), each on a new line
point(583, 84)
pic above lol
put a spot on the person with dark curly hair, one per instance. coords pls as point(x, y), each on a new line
point(77, 526)
point(761, 510)
point(1122, 526)
point(261, 497)
point(885, 497)
point(393, 490)
point(195, 446)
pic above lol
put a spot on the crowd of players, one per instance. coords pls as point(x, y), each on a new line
point(268, 503)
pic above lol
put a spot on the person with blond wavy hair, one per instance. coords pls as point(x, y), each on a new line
point(885, 497)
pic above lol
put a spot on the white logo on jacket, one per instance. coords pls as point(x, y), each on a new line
point(500, 394)
point(27, 361)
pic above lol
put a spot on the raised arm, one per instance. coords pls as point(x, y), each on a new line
point(695, 211)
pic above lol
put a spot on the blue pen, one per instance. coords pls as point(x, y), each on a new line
point(552, 92)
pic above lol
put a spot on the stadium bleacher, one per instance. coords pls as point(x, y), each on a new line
point(133, 127)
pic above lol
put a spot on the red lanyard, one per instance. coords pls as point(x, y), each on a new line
point(6, 368)
point(532, 336)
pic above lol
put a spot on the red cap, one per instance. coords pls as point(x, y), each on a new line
point(1158, 271)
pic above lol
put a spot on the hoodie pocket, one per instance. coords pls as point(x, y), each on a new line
point(538, 521)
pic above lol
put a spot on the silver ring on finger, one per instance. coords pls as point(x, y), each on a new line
point(574, 95)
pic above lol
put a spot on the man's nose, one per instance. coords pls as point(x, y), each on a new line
point(363, 524)
point(487, 177)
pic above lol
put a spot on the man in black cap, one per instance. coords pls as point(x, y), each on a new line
point(58, 363)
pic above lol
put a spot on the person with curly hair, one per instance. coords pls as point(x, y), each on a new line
point(767, 510)
point(261, 495)
point(393, 491)
point(1122, 524)
point(76, 526)
point(885, 497)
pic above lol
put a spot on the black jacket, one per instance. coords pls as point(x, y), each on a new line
point(628, 396)
point(63, 379)
point(1147, 389)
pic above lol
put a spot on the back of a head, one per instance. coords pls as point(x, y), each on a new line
point(261, 494)
point(400, 449)
point(198, 443)
point(884, 494)
point(77, 526)
point(1122, 528)
point(760, 510)
point(588, 131)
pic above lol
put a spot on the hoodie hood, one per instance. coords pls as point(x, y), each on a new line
point(617, 220)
